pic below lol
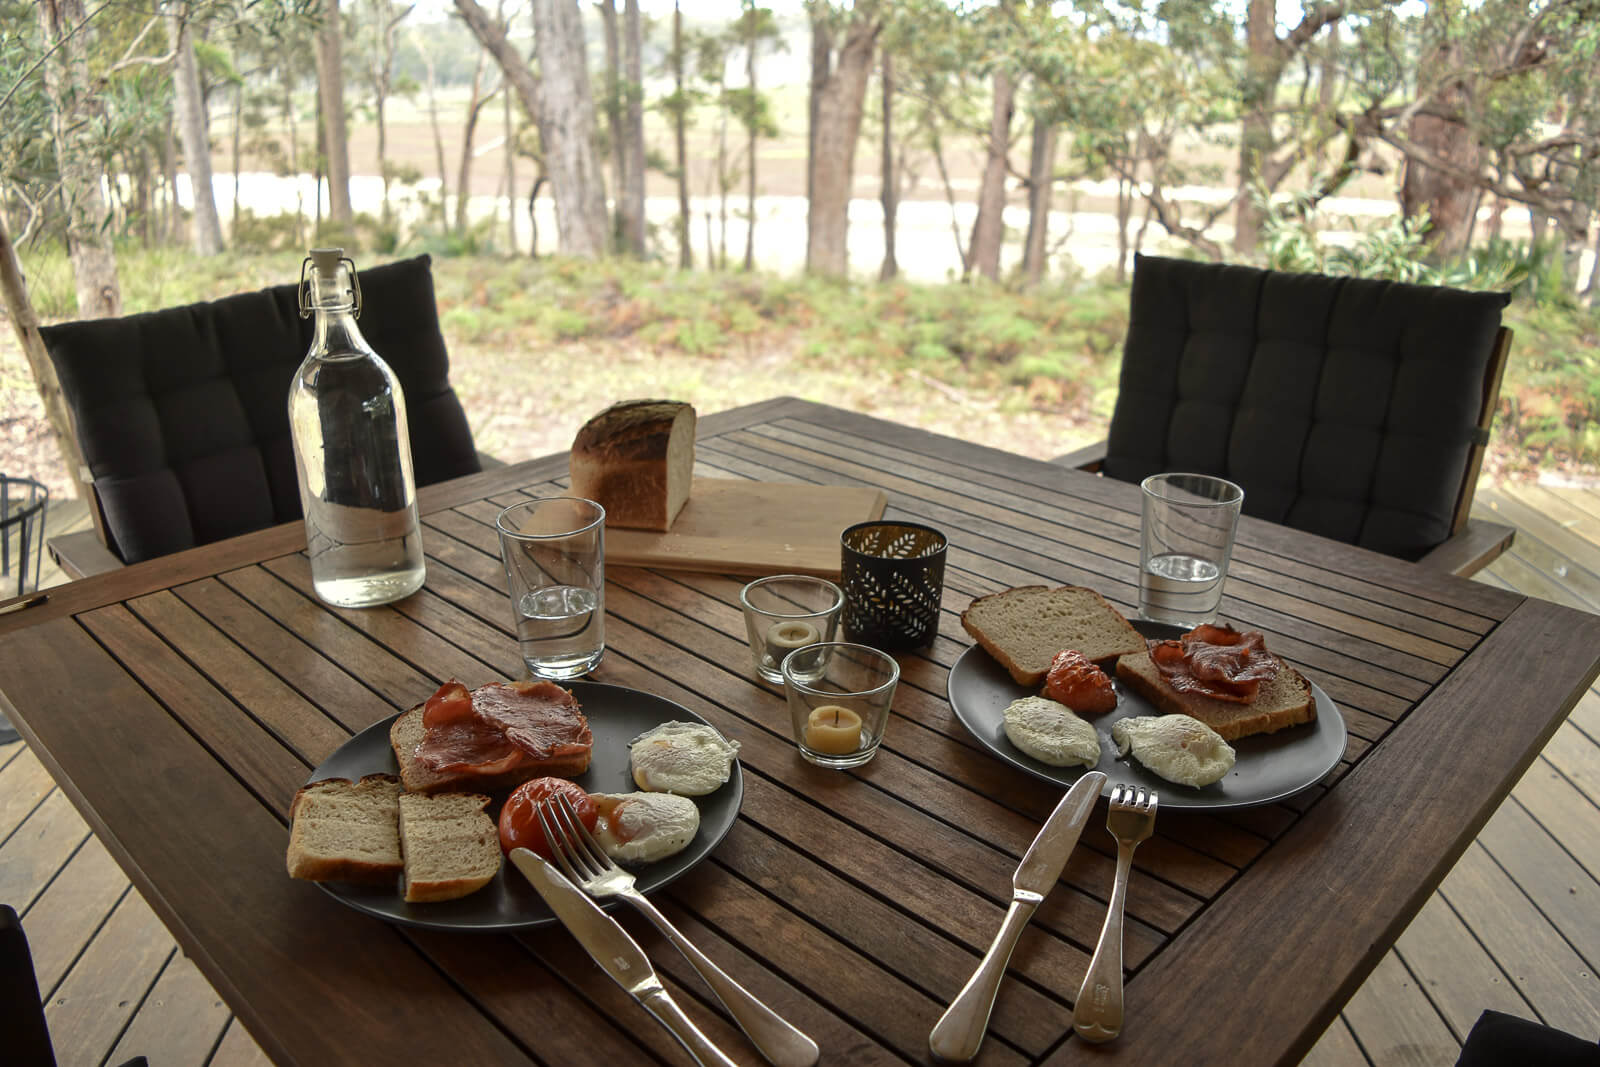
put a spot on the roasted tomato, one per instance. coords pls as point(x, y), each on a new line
point(1079, 684)
point(452, 703)
point(519, 819)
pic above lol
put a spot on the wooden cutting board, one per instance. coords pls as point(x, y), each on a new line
point(742, 527)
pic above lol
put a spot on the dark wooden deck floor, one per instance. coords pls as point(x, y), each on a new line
point(1515, 926)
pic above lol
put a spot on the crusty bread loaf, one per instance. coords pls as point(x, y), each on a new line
point(406, 734)
point(1025, 627)
point(636, 460)
point(345, 831)
point(1283, 700)
point(450, 844)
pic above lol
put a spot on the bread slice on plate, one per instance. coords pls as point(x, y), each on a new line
point(1025, 627)
point(450, 844)
point(1283, 700)
point(406, 734)
point(346, 831)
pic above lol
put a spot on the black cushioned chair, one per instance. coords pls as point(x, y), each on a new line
point(1352, 408)
point(182, 414)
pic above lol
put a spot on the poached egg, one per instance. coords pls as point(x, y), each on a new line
point(644, 827)
point(686, 758)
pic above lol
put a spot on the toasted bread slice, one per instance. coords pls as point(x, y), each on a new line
point(450, 844)
point(406, 734)
point(1025, 627)
point(345, 831)
point(1283, 700)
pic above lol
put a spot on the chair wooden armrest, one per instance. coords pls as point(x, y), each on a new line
point(1087, 458)
point(82, 554)
point(1471, 548)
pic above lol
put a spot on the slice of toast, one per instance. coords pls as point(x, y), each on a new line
point(346, 831)
point(406, 734)
point(451, 846)
point(1025, 627)
point(1283, 700)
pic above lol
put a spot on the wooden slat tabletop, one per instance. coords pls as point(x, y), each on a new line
point(180, 704)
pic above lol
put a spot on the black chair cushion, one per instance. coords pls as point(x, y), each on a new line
point(1501, 1040)
point(1342, 406)
point(26, 1036)
point(182, 414)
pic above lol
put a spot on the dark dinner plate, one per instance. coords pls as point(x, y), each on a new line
point(1268, 767)
point(616, 716)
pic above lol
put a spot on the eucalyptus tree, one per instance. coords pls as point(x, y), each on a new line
point(190, 106)
point(843, 46)
point(379, 23)
point(755, 29)
point(330, 97)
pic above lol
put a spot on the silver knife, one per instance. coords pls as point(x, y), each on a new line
point(959, 1031)
point(617, 954)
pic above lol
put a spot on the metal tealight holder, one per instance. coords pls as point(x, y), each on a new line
point(893, 579)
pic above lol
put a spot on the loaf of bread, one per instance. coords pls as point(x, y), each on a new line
point(450, 844)
point(636, 460)
point(1283, 700)
point(346, 831)
point(406, 734)
point(1025, 627)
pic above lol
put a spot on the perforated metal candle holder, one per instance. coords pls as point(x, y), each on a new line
point(893, 579)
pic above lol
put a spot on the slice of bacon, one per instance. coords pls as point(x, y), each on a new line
point(452, 703)
point(469, 745)
point(1216, 661)
point(541, 718)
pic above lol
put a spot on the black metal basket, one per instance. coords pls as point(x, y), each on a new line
point(893, 579)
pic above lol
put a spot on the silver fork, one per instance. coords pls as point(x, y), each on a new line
point(581, 859)
point(1097, 1013)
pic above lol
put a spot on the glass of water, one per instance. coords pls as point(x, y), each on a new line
point(1186, 542)
point(554, 553)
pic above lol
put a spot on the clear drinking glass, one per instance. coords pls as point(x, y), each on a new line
point(554, 554)
point(1186, 543)
point(839, 697)
point(786, 612)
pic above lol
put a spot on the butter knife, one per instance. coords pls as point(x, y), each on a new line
point(959, 1031)
point(617, 954)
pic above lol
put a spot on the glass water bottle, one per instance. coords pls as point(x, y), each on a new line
point(352, 450)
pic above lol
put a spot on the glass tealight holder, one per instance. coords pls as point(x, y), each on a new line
point(786, 612)
point(839, 697)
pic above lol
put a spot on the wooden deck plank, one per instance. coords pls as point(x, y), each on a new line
point(38, 849)
point(1394, 1022)
point(1454, 970)
point(238, 1048)
point(180, 1022)
point(1565, 894)
point(109, 983)
point(67, 915)
point(1337, 1047)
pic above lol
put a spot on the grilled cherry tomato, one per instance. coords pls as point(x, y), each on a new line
point(1080, 685)
point(519, 819)
point(452, 703)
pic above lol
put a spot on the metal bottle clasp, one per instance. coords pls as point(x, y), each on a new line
point(303, 293)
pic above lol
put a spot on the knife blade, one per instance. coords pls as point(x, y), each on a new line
point(959, 1031)
point(609, 945)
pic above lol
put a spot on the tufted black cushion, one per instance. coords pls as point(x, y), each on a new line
point(183, 413)
point(1343, 406)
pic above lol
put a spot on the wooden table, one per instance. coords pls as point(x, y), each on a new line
point(181, 702)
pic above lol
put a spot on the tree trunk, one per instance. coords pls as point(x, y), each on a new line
point(438, 138)
point(330, 81)
point(25, 321)
point(838, 97)
point(631, 192)
point(890, 195)
point(680, 123)
point(613, 102)
point(191, 119)
point(566, 126)
point(237, 136)
point(169, 177)
point(1255, 135)
point(469, 131)
point(1041, 184)
point(510, 129)
point(750, 154)
point(66, 73)
point(1449, 202)
point(989, 228)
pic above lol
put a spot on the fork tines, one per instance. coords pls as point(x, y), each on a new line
point(576, 852)
point(1127, 796)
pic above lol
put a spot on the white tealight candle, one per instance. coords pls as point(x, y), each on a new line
point(790, 635)
point(833, 730)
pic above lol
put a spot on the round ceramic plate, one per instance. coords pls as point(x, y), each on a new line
point(616, 716)
point(1268, 767)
